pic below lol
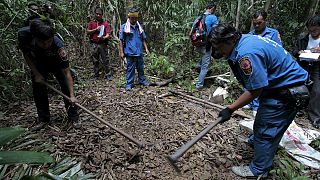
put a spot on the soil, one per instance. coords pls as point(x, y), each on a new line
point(163, 124)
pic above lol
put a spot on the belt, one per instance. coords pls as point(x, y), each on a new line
point(280, 93)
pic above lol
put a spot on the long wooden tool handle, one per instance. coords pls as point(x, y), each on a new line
point(141, 145)
point(183, 149)
point(209, 103)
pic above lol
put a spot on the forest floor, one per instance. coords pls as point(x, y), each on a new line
point(163, 124)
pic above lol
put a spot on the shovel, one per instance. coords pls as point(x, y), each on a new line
point(183, 149)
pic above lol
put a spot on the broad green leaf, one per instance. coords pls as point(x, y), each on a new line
point(3, 170)
point(63, 166)
point(25, 144)
point(14, 157)
point(19, 173)
point(72, 171)
point(8, 134)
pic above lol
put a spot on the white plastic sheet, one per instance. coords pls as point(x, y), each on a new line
point(295, 141)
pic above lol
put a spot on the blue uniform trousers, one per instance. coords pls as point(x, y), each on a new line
point(272, 120)
point(132, 63)
point(254, 104)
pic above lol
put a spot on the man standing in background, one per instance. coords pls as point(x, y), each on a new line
point(259, 21)
point(99, 32)
point(132, 41)
point(311, 42)
point(205, 50)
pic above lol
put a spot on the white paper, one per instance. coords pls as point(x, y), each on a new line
point(307, 55)
point(101, 33)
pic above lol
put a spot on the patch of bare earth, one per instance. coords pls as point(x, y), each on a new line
point(163, 124)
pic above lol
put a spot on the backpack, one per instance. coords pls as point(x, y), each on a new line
point(199, 31)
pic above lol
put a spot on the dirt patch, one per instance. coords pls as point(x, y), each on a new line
point(163, 124)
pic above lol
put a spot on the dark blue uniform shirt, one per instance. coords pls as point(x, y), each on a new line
point(43, 58)
point(259, 62)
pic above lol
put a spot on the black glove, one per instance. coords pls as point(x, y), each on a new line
point(225, 115)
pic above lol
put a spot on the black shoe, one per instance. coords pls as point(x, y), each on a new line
point(108, 77)
point(146, 84)
point(40, 125)
point(300, 114)
point(75, 122)
point(93, 78)
point(316, 125)
point(77, 125)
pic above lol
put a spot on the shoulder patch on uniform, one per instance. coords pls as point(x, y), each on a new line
point(63, 54)
point(246, 65)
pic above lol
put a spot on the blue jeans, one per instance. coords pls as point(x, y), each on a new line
point(132, 63)
point(205, 61)
point(272, 120)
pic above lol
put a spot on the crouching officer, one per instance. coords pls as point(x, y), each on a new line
point(269, 72)
point(45, 53)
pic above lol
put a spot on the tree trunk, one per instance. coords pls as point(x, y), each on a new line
point(238, 14)
point(313, 8)
point(251, 11)
point(267, 5)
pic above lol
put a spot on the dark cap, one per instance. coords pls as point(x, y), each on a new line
point(313, 21)
point(210, 5)
point(222, 33)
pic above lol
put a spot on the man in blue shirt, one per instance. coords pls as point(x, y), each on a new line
point(259, 21)
point(132, 38)
point(267, 71)
point(210, 21)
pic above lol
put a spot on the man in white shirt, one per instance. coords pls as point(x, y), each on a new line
point(311, 42)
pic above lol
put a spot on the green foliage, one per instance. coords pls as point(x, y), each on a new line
point(187, 85)
point(160, 66)
point(18, 157)
point(316, 144)
point(121, 82)
point(8, 134)
point(167, 24)
point(288, 168)
point(14, 157)
point(219, 66)
point(229, 100)
point(235, 89)
point(17, 164)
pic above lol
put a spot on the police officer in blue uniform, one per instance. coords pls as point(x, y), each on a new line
point(132, 40)
point(259, 21)
point(45, 53)
point(269, 72)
